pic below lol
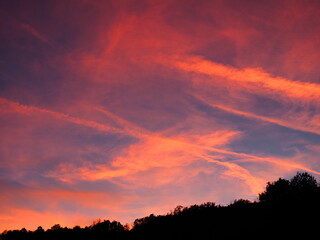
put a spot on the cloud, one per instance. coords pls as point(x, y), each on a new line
point(251, 79)
point(312, 128)
point(223, 87)
point(155, 151)
point(167, 159)
point(36, 33)
point(61, 116)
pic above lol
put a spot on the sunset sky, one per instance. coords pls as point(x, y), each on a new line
point(116, 109)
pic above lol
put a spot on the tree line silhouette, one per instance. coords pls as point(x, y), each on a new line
point(286, 209)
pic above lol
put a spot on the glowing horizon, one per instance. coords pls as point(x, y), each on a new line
point(119, 109)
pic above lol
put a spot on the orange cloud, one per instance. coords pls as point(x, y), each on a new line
point(167, 159)
point(240, 84)
point(24, 109)
point(156, 151)
point(255, 79)
point(153, 152)
point(313, 127)
point(127, 126)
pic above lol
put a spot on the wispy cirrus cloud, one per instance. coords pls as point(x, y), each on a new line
point(36, 33)
point(312, 128)
point(24, 109)
point(292, 95)
point(155, 151)
point(255, 80)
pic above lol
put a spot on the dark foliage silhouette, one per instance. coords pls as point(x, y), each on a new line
point(286, 209)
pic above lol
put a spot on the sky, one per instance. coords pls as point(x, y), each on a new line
point(117, 109)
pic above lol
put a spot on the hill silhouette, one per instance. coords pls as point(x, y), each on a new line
point(286, 209)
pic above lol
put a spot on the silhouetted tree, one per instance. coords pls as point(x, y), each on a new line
point(39, 230)
point(178, 210)
point(240, 203)
point(56, 227)
point(304, 187)
point(301, 189)
point(276, 192)
point(303, 181)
